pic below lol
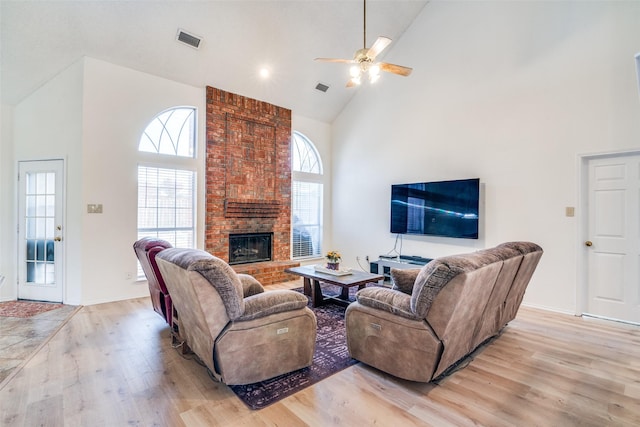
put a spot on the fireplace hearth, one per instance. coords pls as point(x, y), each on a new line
point(249, 247)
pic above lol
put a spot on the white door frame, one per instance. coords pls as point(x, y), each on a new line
point(582, 284)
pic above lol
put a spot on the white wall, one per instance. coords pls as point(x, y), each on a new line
point(511, 92)
point(7, 292)
point(48, 125)
point(118, 105)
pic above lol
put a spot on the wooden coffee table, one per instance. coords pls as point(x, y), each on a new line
point(356, 278)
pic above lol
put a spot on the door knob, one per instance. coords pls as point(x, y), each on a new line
point(588, 243)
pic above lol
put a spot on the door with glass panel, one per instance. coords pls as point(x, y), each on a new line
point(40, 230)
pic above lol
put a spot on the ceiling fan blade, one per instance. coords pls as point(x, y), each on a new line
point(346, 61)
point(395, 69)
point(380, 44)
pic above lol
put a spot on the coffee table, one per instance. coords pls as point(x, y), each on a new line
point(313, 279)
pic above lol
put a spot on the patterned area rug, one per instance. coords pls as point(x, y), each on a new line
point(330, 356)
point(25, 309)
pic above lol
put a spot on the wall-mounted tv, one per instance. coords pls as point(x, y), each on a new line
point(443, 208)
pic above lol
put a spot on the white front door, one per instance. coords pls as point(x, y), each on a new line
point(613, 238)
point(40, 230)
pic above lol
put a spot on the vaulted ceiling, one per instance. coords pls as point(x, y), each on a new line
point(39, 39)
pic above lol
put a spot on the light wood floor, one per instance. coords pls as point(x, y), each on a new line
point(113, 365)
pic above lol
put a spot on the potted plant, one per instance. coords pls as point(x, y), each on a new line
point(334, 260)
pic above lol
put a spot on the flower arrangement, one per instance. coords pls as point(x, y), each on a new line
point(333, 256)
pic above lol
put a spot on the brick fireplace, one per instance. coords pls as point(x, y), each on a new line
point(248, 179)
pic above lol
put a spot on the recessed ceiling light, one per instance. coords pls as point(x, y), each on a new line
point(264, 72)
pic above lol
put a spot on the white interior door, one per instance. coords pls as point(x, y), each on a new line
point(613, 238)
point(40, 230)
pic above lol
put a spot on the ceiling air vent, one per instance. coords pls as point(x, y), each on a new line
point(322, 87)
point(188, 39)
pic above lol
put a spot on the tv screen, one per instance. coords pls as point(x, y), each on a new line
point(443, 208)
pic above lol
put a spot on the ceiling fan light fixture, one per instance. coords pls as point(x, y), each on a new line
point(364, 59)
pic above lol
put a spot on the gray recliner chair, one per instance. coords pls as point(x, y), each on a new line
point(240, 332)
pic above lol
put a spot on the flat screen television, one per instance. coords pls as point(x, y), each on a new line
point(443, 208)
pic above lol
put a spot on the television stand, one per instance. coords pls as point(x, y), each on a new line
point(385, 263)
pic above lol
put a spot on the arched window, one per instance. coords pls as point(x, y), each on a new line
point(166, 183)
point(306, 224)
point(171, 132)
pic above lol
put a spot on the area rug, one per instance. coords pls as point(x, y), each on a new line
point(25, 309)
point(331, 356)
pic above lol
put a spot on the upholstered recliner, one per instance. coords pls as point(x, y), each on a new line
point(241, 333)
point(435, 316)
point(146, 250)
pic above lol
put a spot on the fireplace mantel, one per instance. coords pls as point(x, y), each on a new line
point(251, 208)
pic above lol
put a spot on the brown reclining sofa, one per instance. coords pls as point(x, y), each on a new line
point(435, 316)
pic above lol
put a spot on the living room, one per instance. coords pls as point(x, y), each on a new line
point(519, 94)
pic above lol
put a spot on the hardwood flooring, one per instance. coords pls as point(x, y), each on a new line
point(113, 365)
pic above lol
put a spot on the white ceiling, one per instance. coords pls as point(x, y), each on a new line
point(41, 38)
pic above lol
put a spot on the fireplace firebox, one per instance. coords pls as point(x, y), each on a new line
point(249, 247)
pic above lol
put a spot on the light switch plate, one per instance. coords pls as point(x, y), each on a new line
point(94, 208)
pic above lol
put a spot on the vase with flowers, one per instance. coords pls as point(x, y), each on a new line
point(333, 258)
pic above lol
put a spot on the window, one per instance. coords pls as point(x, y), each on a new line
point(166, 189)
point(171, 132)
point(166, 205)
point(307, 189)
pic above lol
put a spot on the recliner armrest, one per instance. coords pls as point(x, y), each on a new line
point(389, 300)
point(267, 303)
point(250, 286)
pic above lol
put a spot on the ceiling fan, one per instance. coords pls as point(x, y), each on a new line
point(364, 59)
